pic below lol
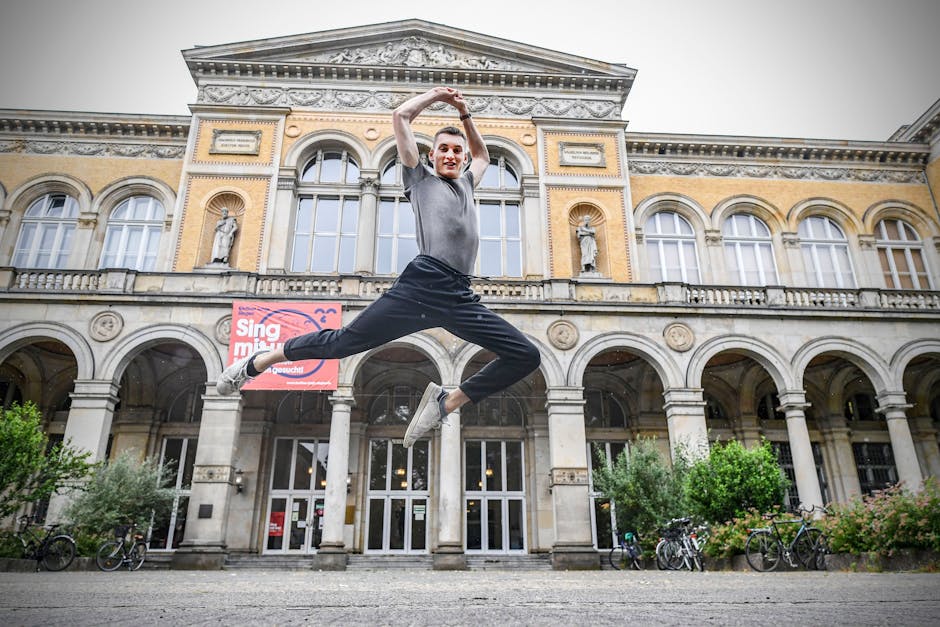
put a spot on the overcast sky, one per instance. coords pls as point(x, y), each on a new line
point(845, 69)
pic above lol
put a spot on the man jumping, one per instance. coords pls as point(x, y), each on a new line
point(434, 289)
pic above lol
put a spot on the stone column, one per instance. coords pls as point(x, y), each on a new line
point(893, 406)
point(203, 546)
point(793, 258)
point(87, 428)
point(573, 548)
point(715, 272)
point(332, 552)
point(925, 439)
point(368, 219)
point(749, 430)
point(449, 554)
point(532, 220)
point(792, 404)
point(843, 472)
point(685, 418)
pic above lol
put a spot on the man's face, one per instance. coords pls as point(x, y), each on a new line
point(449, 155)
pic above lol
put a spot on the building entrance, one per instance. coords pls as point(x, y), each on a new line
point(397, 513)
point(495, 496)
point(297, 497)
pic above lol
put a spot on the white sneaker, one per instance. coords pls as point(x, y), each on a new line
point(235, 376)
point(430, 414)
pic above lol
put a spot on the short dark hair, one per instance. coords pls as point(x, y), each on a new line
point(450, 130)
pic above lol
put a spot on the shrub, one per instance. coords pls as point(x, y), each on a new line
point(728, 538)
point(643, 487)
point(733, 480)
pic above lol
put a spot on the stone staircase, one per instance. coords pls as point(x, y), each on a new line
point(268, 562)
point(528, 561)
point(357, 561)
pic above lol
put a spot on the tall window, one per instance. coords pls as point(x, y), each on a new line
point(748, 250)
point(791, 499)
point(825, 253)
point(500, 223)
point(327, 215)
point(670, 248)
point(45, 239)
point(875, 463)
point(133, 236)
point(901, 253)
point(603, 513)
point(396, 243)
point(603, 410)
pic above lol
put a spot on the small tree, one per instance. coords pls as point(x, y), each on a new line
point(644, 488)
point(28, 472)
point(734, 479)
point(126, 490)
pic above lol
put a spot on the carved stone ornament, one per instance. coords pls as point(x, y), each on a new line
point(745, 170)
point(679, 337)
point(93, 149)
point(292, 131)
point(212, 474)
point(413, 52)
point(371, 134)
point(223, 330)
point(569, 476)
point(105, 326)
point(563, 334)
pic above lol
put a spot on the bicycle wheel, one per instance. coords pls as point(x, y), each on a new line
point(137, 556)
point(805, 547)
point(110, 555)
point(58, 553)
point(615, 557)
point(698, 562)
point(822, 550)
point(762, 551)
point(636, 563)
point(668, 555)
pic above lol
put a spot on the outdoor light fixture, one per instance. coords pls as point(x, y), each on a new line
point(400, 472)
point(489, 472)
point(239, 480)
point(348, 483)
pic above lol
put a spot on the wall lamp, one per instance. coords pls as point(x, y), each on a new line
point(239, 481)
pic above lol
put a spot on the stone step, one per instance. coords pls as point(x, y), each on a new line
point(271, 562)
point(530, 561)
point(383, 562)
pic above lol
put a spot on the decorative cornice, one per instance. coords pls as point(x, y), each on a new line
point(94, 125)
point(385, 101)
point(922, 130)
point(93, 149)
point(767, 171)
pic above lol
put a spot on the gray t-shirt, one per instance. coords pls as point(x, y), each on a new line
point(445, 216)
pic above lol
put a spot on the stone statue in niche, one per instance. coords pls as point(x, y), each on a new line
point(587, 237)
point(225, 230)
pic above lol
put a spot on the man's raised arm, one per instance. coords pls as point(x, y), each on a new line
point(405, 114)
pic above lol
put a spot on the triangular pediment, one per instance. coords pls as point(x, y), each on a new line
point(409, 44)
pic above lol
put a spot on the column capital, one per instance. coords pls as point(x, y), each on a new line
point(894, 403)
point(564, 395)
point(341, 396)
point(88, 388)
point(675, 397)
point(791, 400)
point(369, 182)
point(218, 402)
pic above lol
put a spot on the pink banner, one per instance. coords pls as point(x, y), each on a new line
point(266, 326)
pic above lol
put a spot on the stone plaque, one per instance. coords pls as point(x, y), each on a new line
point(105, 326)
point(679, 337)
point(223, 329)
point(569, 476)
point(562, 334)
point(584, 155)
point(225, 142)
point(205, 510)
point(212, 474)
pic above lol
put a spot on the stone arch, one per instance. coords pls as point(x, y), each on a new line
point(838, 212)
point(743, 203)
point(3, 197)
point(122, 189)
point(27, 333)
point(910, 351)
point(679, 203)
point(748, 397)
point(664, 365)
point(421, 342)
point(761, 352)
point(550, 368)
point(902, 210)
point(304, 148)
point(867, 360)
point(31, 189)
point(116, 361)
point(518, 157)
point(387, 150)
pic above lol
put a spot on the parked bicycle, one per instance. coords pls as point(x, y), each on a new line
point(54, 550)
point(765, 546)
point(627, 553)
point(127, 549)
point(680, 547)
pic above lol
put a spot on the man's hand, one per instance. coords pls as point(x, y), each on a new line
point(454, 98)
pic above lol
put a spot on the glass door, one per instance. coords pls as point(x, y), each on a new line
point(397, 514)
point(603, 514)
point(181, 452)
point(494, 496)
point(297, 497)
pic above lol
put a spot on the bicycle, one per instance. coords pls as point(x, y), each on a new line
point(679, 546)
point(765, 546)
point(627, 552)
point(55, 552)
point(127, 549)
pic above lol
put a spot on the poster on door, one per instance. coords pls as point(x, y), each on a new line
point(276, 524)
point(266, 326)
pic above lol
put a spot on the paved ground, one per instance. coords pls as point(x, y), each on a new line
point(258, 597)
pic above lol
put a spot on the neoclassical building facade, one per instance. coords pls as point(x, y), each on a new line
point(745, 287)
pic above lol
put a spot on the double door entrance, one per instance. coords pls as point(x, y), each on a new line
point(397, 510)
point(298, 495)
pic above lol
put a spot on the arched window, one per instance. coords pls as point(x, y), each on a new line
point(603, 410)
point(46, 233)
point(396, 243)
point(901, 253)
point(133, 236)
point(825, 253)
point(500, 410)
point(498, 202)
point(327, 215)
point(749, 252)
point(670, 248)
point(860, 406)
point(394, 405)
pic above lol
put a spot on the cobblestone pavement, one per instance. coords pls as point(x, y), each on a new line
point(260, 597)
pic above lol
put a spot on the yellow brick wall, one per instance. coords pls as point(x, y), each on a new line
point(202, 151)
point(95, 172)
point(933, 177)
point(613, 260)
point(608, 142)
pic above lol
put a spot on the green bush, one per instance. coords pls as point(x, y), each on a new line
point(733, 480)
point(124, 491)
point(885, 521)
point(728, 538)
point(9, 545)
point(644, 488)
